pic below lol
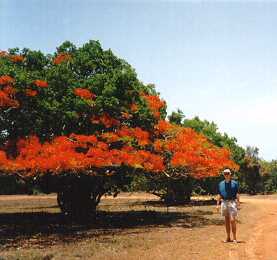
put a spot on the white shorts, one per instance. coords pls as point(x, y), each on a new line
point(229, 208)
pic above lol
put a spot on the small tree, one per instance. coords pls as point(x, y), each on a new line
point(179, 189)
point(250, 173)
point(269, 175)
point(188, 156)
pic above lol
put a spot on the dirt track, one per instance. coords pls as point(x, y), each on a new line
point(190, 233)
point(262, 245)
point(257, 237)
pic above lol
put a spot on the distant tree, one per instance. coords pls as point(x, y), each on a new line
point(250, 172)
point(191, 156)
point(176, 117)
point(210, 130)
point(269, 175)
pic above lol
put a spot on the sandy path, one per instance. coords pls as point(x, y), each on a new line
point(258, 217)
point(262, 245)
point(256, 232)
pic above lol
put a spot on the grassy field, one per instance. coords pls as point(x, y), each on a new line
point(131, 226)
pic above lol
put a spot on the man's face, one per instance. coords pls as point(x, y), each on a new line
point(227, 176)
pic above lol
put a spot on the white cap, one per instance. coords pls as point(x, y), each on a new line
point(227, 171)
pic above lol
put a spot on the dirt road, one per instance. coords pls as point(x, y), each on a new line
point(30, 229)
point(257, 232)
point(262, 245)
point(257, 237)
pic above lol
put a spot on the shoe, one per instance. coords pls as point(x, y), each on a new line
point(227, 240)
point(235, 241)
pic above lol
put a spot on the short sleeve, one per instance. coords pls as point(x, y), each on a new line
point(218, 189)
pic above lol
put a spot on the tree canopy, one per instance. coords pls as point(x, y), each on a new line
point(210, 130)
point(83, 110)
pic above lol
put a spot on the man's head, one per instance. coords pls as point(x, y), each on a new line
point(227, 174)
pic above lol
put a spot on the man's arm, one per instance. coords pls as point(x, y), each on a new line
point(237, 196)
point(238, 199)
point(218, 199)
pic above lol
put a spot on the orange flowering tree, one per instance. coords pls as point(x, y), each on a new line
point(79, 123)
point(188, 156)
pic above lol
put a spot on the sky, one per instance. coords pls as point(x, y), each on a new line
point(212, 59)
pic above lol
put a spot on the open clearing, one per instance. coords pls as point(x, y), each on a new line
point(135, 226)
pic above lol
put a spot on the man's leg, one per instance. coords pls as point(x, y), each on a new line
point(227, 227)
point(234, 227)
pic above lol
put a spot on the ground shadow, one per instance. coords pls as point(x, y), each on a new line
point(160, 203)
point(41, 229)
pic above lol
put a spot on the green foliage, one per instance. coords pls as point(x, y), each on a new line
point(269, 175)
point(250, 178)
point(176, 117)
point(56, 110)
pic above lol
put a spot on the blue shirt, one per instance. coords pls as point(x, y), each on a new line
point(228, 190)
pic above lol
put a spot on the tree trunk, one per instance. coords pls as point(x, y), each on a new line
point(178, 191)
point(79, 199)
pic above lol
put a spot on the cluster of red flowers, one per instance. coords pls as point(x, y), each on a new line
point(31, 93)
point(62, 154)
point(163, 126)
point(3, 159)
point(140, 135)
point(194, 152)
point(154, 103)
point(134, 107)
point(128, 134)
point(110, 137)
point(7, 92)
point(84, 93)
point(126, 115)
point(6, 101)
point(41, 83)
point(61, 57)
point(106, 120)
point(16, 58)
point(5, 80)
point(3, 54)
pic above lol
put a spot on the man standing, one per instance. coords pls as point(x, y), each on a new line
point(229, 197)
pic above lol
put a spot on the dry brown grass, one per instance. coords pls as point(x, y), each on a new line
point(131, 226)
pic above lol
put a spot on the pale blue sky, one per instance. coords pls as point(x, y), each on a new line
point(217, 60)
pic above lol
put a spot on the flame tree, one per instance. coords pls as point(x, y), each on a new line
point(79, 123)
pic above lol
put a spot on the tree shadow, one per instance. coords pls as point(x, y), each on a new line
point(42, 229)
point(160, 203)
